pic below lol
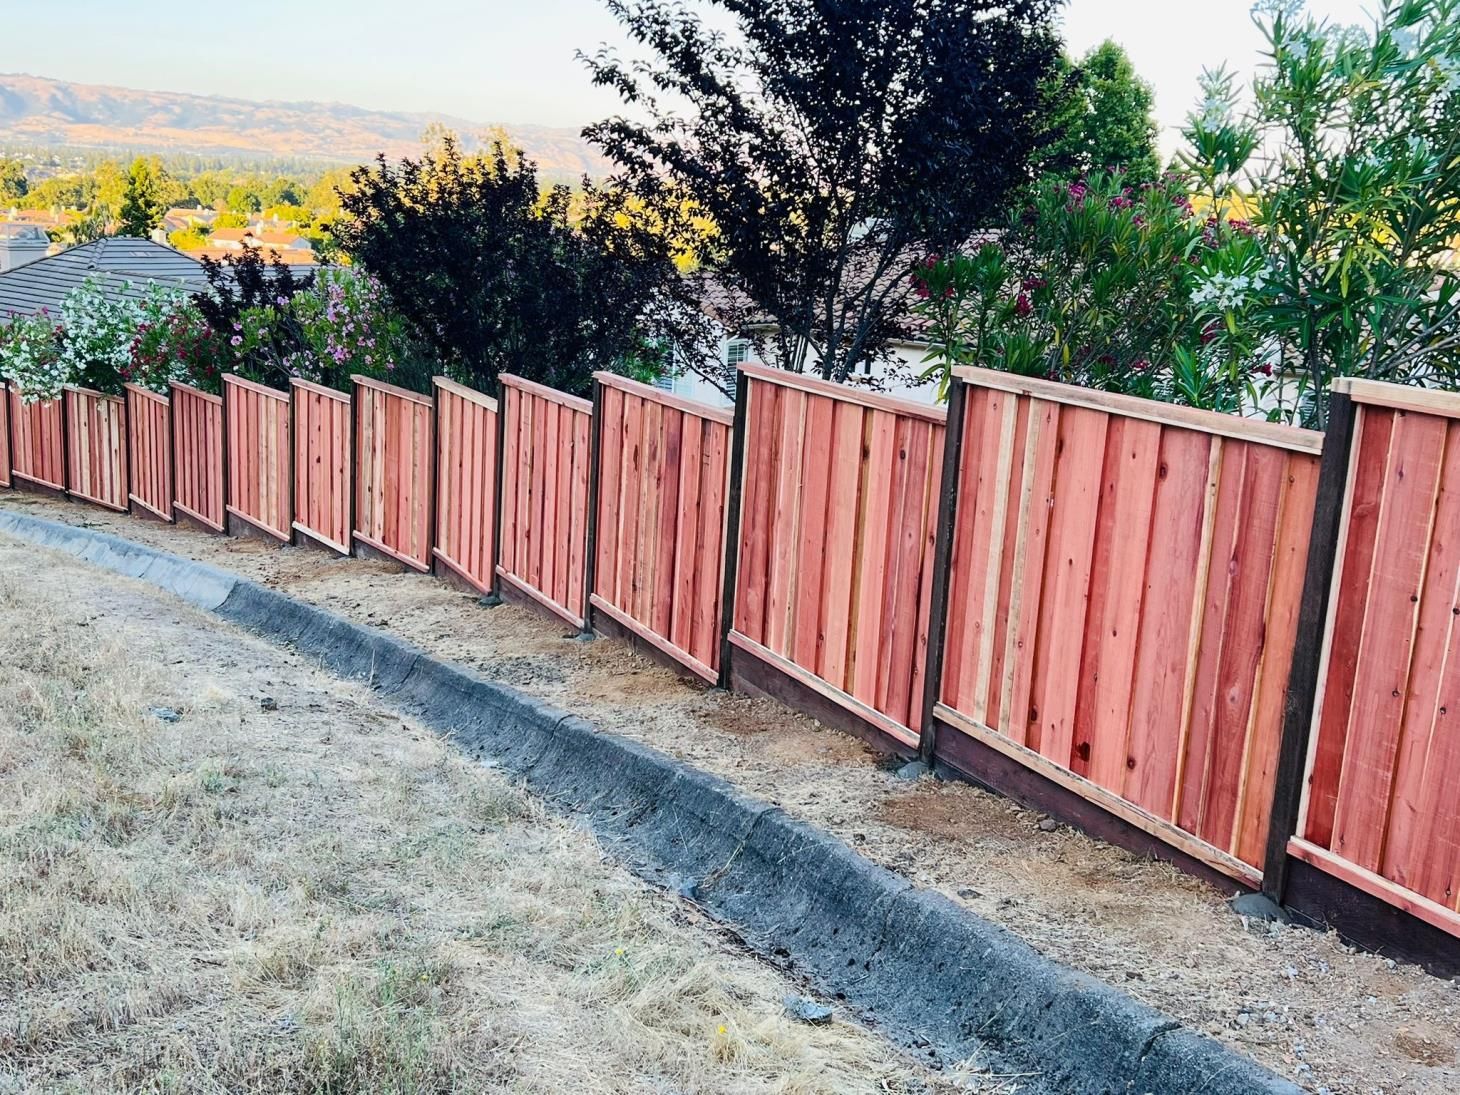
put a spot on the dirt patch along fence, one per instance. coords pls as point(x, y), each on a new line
point(149, 451)
point(199, 456)
point(663, 481)
point(1224, 642)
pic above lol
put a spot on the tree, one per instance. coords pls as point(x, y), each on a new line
point(1100, 117)
point(13, 183)
point(498, 277)
point(243, 199)
point(831, 145)
point(144, 200)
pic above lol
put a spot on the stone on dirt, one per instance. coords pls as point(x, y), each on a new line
point(913, 770)
point(808, 1011)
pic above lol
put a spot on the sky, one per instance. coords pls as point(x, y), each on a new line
point(509, 61)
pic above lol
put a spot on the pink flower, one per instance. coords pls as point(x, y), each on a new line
point(1022, 304)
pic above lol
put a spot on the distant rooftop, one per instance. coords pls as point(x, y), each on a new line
point(125, 265)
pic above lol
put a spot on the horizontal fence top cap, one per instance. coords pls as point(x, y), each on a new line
point(1400, 397)
point(446, 384)
point(390, 389)
point(847, 393)
point(1150, 410)
point(723, 415)
point(532, 387)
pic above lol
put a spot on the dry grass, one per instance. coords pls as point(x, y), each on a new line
point(324, 899)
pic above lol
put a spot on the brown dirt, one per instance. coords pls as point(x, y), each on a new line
point(1301, 1002)
point(326, 898)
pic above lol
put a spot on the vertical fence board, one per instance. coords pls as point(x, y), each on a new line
point(149, 448)
point(37, 442)
point(260, 456)
point(466, 446)
point(395, 449)
point(97, 447)
point(198, 455)
point(323, 459)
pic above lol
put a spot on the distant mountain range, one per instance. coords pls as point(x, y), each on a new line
point(39, 111)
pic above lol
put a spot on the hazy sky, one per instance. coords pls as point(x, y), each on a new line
point(498, 60)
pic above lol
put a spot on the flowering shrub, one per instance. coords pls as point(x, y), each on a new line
point(1101, 284)
point(97, 329)
point(30, 357)
point(347, 328)
point(173, 342)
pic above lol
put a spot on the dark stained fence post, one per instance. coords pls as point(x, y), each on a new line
point(353, 425)
point(172, 454)
point(732, 524)
point(9, 433)
point(127, 452)
point(942, 563)
point(65, 447)
point(223, 451)
point(590, 551)
point(1303, 683)
point(494, 594)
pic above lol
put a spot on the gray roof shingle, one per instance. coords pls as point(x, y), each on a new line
point(125, 265)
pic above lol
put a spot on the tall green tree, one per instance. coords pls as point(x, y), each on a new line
point(1100, 113)
point(144, 200)
point(832, 145)
point(13, 183)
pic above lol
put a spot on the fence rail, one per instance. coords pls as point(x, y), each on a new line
point(96, 454)
point(149, 450)
point(199, 456)
point(836, 543)
point(544, 543)
point(257, 426)
point(38, 441)
point(323, 464)
point(466, 482)
point(663, 482)
point(1096, 602)
point(395, 452)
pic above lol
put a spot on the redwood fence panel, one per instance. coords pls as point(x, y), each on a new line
point(38, 441)
point(466, 472)
point(395, 458)
point(1123, 603)
point(323, 461)
point(5, 479)
point(1380, 809)
point(149, 450)
point(545, 457)
point(837, 530)
point(96, 447)
point(260, 456)
point(199, 462)
point(663, 481)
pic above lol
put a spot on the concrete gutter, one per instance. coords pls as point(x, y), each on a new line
point(930, 973)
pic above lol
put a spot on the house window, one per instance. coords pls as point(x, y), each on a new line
point(737, 352)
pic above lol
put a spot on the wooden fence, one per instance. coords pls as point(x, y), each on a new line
point(660, 531)
point(466, 490)
point(836, 543)
point(323, 463)
point(544, 529)
point(395, 453)
point(259, 456)
point(1124, 592)
point(1151, 620)
point(199, 456)
point(149, 450)
point(96, 452)
point(1381, 809)
point(38, 441)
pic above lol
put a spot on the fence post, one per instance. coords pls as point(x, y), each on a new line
point(65, 447)
point(590, 551)
point(223, 443)
point(732, 525)
point(9, 434)
point(942, 563)
point(494, 595)
point(127, 452)
point(171, 454)
point(1303, 683)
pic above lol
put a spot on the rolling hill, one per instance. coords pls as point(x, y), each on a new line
point(39, 111)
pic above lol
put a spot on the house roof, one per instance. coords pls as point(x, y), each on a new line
point(288, 256)
point(125, 265)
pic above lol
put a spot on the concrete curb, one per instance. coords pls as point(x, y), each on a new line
point(926, 970)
